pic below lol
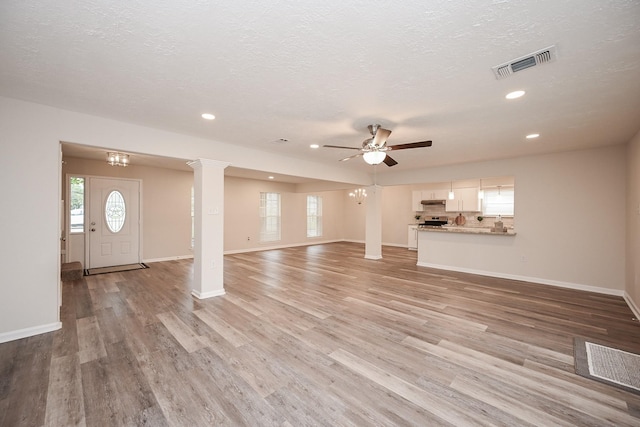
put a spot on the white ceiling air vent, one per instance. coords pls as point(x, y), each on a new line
point(531, 60)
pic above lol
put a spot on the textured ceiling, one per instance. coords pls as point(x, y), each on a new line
point(321, 71)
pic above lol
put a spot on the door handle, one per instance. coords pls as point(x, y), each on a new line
point(93, 229)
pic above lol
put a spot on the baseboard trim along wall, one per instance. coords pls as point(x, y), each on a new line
point(205, 295)
point(548, 282)
point(169, 258)
point(634, 308)
point(29, 332)
point(268, 248)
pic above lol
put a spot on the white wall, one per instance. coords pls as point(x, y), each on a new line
point(29, 261)
point(632, 287)
point(166, 204)
point(242, 220)
point(569, 213)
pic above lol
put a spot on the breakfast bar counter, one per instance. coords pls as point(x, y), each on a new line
point(469, 249)
point(467, 230)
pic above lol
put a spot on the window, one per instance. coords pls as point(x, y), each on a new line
point(314, 216)
point(76, 205)
point(269, 217)
point(115, 211)
point(498, 201)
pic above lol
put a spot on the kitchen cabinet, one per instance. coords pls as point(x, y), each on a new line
point(466, 200)
point(435, 194)
point(413, 238)
point(419, 195)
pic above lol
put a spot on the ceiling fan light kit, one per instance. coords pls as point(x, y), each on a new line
point(374, 157)
point(374, 149)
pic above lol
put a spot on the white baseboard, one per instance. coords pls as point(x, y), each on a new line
point(268, 248)
point(169, 258)
point(29, 332)
point(396, 245)
point(205, 295)
point(632, 305)
point(548, 282)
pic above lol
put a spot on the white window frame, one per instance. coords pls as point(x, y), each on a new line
point(79, 230)
point(498, 201)
point(314, 216)
point(270, 217)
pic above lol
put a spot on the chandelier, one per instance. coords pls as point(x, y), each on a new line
point(358, 195)
point(117, 159)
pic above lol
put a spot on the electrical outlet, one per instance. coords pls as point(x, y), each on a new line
point(523, 258)
point(248, 238)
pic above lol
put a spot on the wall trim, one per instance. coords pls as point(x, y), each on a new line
point(169, 258)
point(268, 248)
point(29, 332)
point(634, 308)
point(205, 295)
point(535, 280)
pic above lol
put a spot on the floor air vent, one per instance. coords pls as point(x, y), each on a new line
point(536, 58)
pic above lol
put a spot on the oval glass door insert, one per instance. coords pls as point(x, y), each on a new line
point(115, 211)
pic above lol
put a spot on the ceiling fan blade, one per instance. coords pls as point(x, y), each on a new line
point(389, 161)
point(339, 146)
point(351, 157)
point(380, 138)
point(409, 145)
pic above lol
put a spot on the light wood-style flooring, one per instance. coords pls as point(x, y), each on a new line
point(312, 336)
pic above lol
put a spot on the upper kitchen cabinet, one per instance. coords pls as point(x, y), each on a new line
point(441, 194)
point(465, 200)
point(417, 196)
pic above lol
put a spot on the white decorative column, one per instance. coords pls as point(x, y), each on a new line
point(208, 250)
point(373, 231)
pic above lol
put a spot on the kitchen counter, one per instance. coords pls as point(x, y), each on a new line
point(470, 250)
point(467, 230)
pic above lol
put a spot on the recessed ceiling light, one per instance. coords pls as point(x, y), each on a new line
point(533, 135)
point(271, 177)
point(314, 146)
point(515, 94)
point(208, 116)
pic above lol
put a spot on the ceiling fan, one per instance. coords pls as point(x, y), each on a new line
point(374, 149)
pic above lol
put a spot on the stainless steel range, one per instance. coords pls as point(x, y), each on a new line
point(434, 221)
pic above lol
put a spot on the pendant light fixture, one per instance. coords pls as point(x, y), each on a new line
point(451, 195)
point(480, 191)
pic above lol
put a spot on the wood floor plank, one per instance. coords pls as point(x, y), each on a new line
point(438, 406)
point(27, 399)
point(90, 343)
point(65, 401)
point(181, 332)
point(228, 332)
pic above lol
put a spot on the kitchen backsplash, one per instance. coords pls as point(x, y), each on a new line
point(471, 217)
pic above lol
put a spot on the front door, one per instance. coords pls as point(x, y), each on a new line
point(114, 222)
